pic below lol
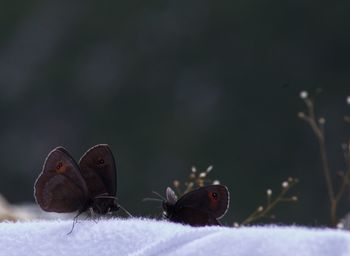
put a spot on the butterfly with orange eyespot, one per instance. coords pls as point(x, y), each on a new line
point(199, 207)
point(65, 186)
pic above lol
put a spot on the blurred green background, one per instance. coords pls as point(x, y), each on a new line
point(172, 84)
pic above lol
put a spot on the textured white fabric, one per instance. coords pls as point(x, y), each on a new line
point(138, 237)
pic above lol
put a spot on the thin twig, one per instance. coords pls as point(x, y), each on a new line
point(319, 132)
point(195, 180)
point(318, 129)
point(346, 176)
point(263, 212)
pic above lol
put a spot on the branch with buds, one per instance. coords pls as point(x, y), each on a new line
point(317, 126)
point(271, 203)
point(195, 180)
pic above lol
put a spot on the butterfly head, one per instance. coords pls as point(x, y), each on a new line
point(169, 203)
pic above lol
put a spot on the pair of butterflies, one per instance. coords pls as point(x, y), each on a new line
point(67, 186)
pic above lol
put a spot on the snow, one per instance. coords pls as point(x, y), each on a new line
point(150, 237)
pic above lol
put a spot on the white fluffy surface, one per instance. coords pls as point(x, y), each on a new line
point(150, 237)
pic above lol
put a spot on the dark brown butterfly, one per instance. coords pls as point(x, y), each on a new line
point(199, 207)
point(65, 186)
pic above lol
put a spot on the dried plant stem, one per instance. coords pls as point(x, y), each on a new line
point(318, 129)
point(263, 212)
point(195, 180)
point(346, 177)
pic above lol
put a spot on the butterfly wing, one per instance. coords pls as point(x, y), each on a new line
point(60, 186)
point(212, 200)
point(194, 217)
point(98, 168)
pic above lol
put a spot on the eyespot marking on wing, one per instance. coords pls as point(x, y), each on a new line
point(61, 168)
point(214, 199)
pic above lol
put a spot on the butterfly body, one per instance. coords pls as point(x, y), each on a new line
point(200, 207)
point(65, 186)
point(103, 205)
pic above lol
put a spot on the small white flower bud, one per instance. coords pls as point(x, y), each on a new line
point(202, 175)
point(176, 183)
point(301, 114)
point(348, 100)
point(194, 169)
point(216, 182)
point(269, 192)
point(304, 94)
point(210, 167)
point(321, 120)
point(285, 184)
point(260, 209)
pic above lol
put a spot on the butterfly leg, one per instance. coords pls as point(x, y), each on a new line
point(126, 211)
point(92, 214)
point(75, 220)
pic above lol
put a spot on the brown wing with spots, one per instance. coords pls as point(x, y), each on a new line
point(60, 186)
point(212, 200)
point(98, 168)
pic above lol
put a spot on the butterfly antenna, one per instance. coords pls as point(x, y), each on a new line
point(159, 195)
point(151, 199)
point(102, 196)
point(126, 211)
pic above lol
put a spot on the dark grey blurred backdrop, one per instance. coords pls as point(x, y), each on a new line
point(171, 84)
